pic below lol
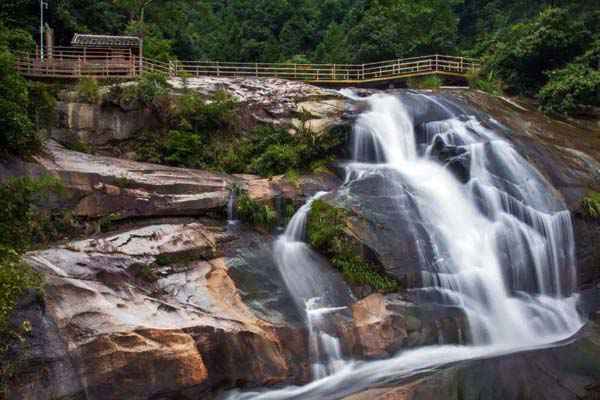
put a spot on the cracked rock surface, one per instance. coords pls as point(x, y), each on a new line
point(186, 331)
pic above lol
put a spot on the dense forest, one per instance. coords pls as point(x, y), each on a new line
point(549, 49)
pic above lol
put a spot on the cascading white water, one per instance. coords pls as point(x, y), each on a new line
point(231, 217)
point(502, 222)
point(500, 245)
point(315, 291)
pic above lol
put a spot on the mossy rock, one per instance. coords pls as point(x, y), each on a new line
point(327, 234)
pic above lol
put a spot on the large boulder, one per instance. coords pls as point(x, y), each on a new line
point(146, 313)
point(383, 325)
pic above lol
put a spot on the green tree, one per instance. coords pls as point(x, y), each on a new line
point(17, 134)
point(525, 54)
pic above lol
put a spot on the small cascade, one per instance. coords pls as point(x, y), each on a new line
point(231, 204)
point(315, 289)
point(325, 350)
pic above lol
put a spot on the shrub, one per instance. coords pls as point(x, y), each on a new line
point(485, 82)
point(184, 149)
point(325, 231)
point(15, 278)
point(427, 82)
point(217, 113)
point(276, 159)
point(17, 134)
point(147, 90)
point(255, 214)
point(150, 86)
point(591, 205)
point(88, 90)
point(42, 104)
point(23, 222)
point(524, 55)
point(576, 85)
point(570, 87)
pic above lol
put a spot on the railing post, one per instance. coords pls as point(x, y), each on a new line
point(363, 72)
point(256, 69)
point(333, 75)
point(218, 71)
point(437, 63)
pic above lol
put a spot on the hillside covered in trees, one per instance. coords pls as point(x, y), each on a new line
point(537, 48)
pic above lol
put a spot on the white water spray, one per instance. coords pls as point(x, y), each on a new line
point(501, 246)
point(314, 289)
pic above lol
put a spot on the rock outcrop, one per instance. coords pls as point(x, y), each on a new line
point(290, 104)
point(567, 372)
point(147, 313)
point(99, 186)
point(383, 325)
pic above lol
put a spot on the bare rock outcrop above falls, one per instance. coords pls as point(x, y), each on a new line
point(272, 101)
point(147, 313)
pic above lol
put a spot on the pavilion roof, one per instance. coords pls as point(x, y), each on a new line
point(84, 40)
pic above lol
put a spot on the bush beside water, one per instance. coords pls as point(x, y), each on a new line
point(325, 231)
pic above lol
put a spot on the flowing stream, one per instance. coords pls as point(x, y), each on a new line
point(492, 237)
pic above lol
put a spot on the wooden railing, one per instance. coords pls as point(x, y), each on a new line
point(77, 63)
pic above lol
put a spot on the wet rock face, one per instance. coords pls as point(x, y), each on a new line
point(375, 201)
point(564, 372)
point(567, 153)
point(383, 325)
point(109, 331)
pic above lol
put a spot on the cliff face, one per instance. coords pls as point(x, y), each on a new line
point(176, 304)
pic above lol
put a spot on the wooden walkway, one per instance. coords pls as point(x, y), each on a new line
point(72, 63)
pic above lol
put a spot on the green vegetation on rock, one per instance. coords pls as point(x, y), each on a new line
point(426, 82)
point(261, 216)
point(591, 205)
point(23, 222)
point(325, 230)
point(88, 90)
point(204, 134)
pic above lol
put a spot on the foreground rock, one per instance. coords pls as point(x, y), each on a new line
point(146, 313)
point(383, 325)
point(568, 372)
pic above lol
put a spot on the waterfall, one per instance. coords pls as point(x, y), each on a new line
point(315, 291)
point(501, 244)
point(495, 240)
point(231, 217)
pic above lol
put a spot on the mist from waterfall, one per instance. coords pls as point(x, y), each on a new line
point(494, 240)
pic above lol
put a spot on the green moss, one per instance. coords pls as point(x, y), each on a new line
point(258, 215)
point(79, 146)
point(325, 230)
point(426, 82)
point(16, 278)
point(591, 205)
point(88, 91)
